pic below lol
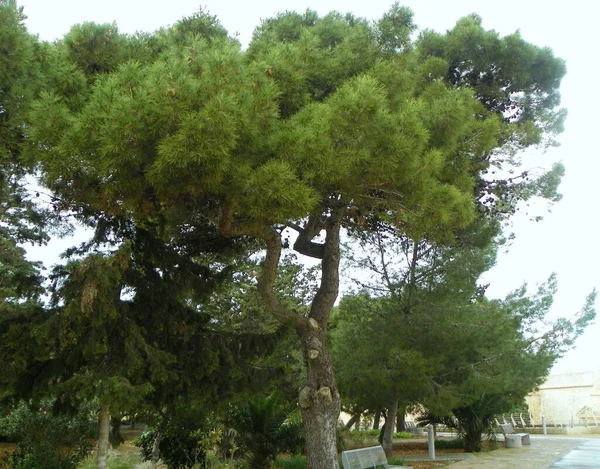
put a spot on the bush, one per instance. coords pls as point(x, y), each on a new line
point(456, 443)
point(181, 444)
point(403, 435)
point(265, 426)
point(49, 440)
point(357, 438)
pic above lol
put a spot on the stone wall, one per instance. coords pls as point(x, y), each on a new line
point(563, 396)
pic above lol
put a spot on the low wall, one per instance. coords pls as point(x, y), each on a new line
point(576, 430)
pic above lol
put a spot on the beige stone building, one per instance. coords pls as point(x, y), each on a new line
point(567, 399)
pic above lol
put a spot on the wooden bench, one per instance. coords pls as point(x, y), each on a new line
point(365, 458)
point(512, 439)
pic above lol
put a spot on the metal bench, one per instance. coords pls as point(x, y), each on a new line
point(364, 458)
point(512, 439)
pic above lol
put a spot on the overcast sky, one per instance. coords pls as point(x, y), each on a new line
point(567, 241)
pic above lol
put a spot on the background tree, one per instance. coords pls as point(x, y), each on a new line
point(22, 220)
point(482, 357)
point(396, 334)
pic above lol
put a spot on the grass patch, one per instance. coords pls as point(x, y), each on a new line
point(116, 460)
point(456, 443)
point(403, 435)
point(295, 462)
point(395, 461)
point(370, 432)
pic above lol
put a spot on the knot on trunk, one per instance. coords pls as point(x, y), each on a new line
point(325, 393)
point(313, 354)
point(308, 394)
point(305, 397)
point(313, 323)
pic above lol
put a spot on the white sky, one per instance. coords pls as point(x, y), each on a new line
point(567, 240)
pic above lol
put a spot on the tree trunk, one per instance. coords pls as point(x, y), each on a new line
point(401, 419)
point(351, 421)
point(472, 440)
point(103, 435)
point(388, 434)
point(382, 431)
point(319, 399)
point(320, 403)
point(155, 457)
point(115, 438)
point(376, 419)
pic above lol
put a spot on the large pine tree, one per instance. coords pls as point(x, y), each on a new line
point(324, 123)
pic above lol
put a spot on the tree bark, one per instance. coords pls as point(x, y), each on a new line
point(103, 435)
point(320, 404)
point(388, 433)
point(319, 398)
point(155, 458)
point(376, 419)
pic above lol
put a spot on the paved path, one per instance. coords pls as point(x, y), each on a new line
point(585, 455)
point(545, 452)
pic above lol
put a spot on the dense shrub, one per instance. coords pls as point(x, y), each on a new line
point(456, 443)
point(47, 439)
point(181, 442)
point(266, 426)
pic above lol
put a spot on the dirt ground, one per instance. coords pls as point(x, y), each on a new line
point(418, 447)
point(414, 447)
point(6, 448)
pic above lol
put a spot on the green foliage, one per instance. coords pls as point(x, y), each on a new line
point(94, 48)
point(167, 143)
point(294, 462)
point(396, 461)
point(47, 439)
point(455, 443)
point(403, 435)
point(120, 461)
point(181, 438)
point(505, 348)
point(521, 83)
point(17, 72)
point(266, 426)
point(372, 432)
point(21, 220)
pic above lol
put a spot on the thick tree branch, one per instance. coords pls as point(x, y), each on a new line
point(304, 244)
point(266, 281)
point(330, 269)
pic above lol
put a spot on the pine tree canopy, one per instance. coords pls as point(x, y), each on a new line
point(317, 112)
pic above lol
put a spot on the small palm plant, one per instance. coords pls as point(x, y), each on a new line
point(265, 426)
